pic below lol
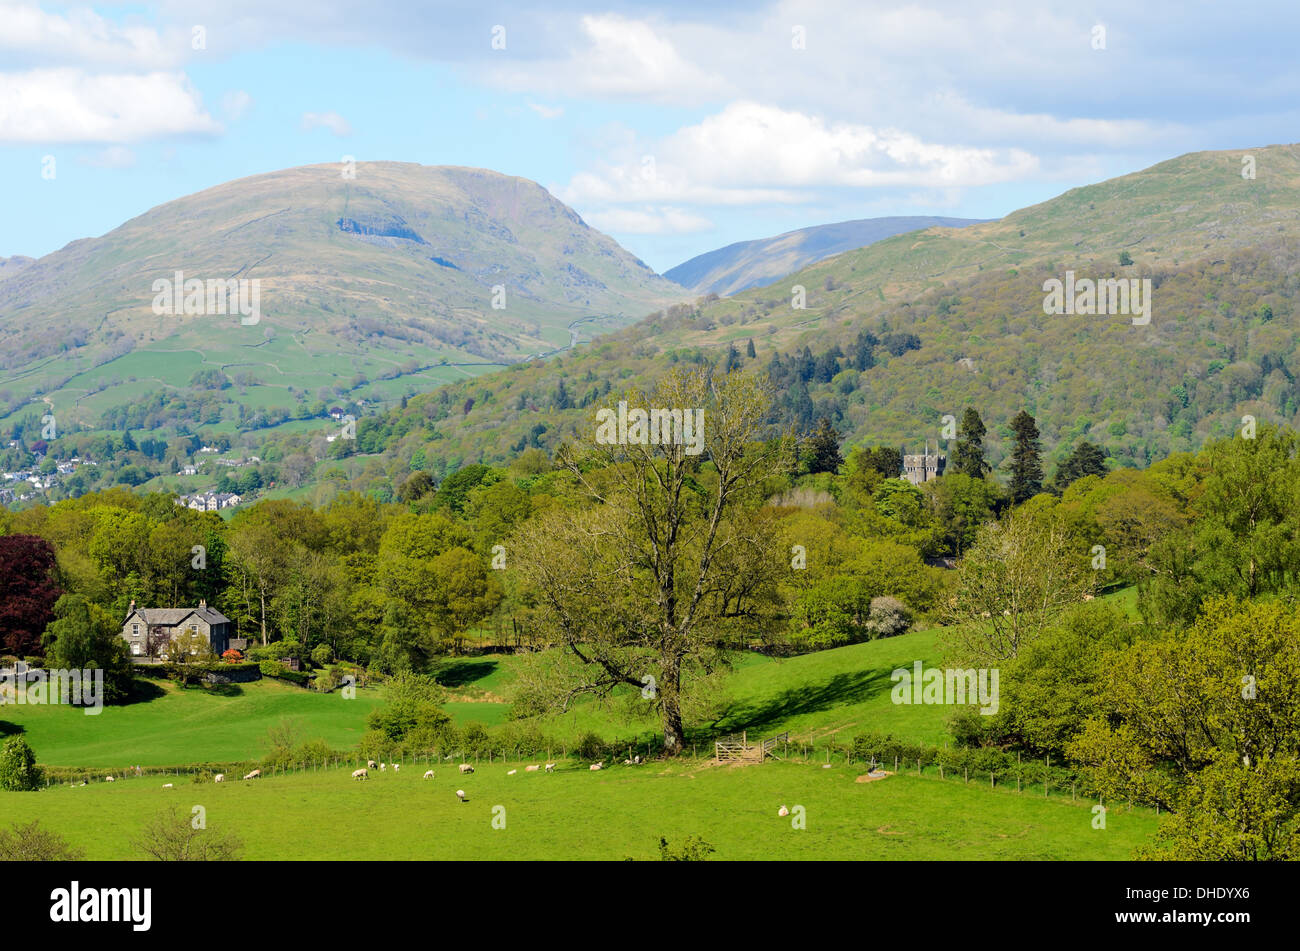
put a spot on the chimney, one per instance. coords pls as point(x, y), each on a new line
point(131, 609)
point(203, 603)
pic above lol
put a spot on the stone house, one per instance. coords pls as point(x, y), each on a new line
point(148, 631)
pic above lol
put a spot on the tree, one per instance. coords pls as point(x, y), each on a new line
point(1026, 459)
point(822, 449)
point(749, 349)
point(1019, 575)
point(1206, 722)
point(18, 769)
point(670, 553)
point(173, 836)
point(968, 456)
point(84, 637)
point(1085, 460)
point(32, 843)
point(28, 591)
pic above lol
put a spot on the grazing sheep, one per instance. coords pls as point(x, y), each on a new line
point(428, 774)
point(531, 769)
point(362, 773)
point(254, 774)
point(383, 767)
point(219, 778)
point(370, 764)
point(826, 765)
point(596, 766)
point(460, 794)
point(396, 767)
point(637, 759)
point(512, 772)
point(550, 767)
point(108, 779)
point(783, 811)
point(167, 785)
point(466, 768)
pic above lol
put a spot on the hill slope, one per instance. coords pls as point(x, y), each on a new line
point(1224, 338)
point(384, 275)
point(746, 264)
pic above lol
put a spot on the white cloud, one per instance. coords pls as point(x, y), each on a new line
point(751, 152)
point(332, 121)
point(81, 37)
point(649, 220)
point(68, 105)
point(618, 58)
point(235, 103)
point(546, 112)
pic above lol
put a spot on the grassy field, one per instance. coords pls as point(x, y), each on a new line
point(189, 725)
point(575, 814)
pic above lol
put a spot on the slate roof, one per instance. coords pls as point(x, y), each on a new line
point(171, 617)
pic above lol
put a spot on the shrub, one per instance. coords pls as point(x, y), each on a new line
point(18, 769)
point(171, 836)
point(31, 843)
point(887, 617)
point(322, 654)
point(589, 746)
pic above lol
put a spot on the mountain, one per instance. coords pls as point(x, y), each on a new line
point(371, 287)
point(956, 318)
point(11, 266)
point(746, 264)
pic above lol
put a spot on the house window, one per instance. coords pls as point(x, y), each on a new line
point(135, 648)
point(135, 630)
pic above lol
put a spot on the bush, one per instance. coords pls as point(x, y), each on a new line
point(322, 654)
point(31, 843)
point(18, 769)
point(589, 746)
point(888, 617)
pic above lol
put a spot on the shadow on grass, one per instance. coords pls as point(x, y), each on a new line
point(762, 716)
point(460, 673)
point(144, 691)
point(11, 729)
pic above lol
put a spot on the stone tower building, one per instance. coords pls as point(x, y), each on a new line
point(922, 467)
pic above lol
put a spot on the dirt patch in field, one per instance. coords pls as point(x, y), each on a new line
point(872, 777)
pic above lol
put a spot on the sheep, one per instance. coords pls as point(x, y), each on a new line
point(428, 774)
point(783, 811)
point(219, 778)
point(254, 774)
point(466, 768)
point(108, 779)
point(362, 773)
point(383, 767)
point(167, 785)
point(396, 767)
point(637, 759)
point(596, 766)
point(531, 769)
point(512, 772)
point(370, 764)
point(550, 767)
point(460, 794)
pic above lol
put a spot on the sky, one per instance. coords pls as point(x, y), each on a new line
point(676, 128)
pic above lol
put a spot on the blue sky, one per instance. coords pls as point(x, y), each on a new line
point(676, 128)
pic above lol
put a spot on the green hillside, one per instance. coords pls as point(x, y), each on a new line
point(384, 277)
point(1220, 251)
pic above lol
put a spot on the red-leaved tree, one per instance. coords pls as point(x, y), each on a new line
point(27, 592)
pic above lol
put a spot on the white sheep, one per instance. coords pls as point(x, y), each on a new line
point(108, 779)
point(428, 774)
point(362, 773)
point(531, 769)
point(596, 766)
point(511, 772)
point(550, 767)
point(460, 794)
point(396, 767)
point(466, 768)
point(370, 764)
point(783, 811)
point(383, 767)
point(167, 785)
point(254, 774)
point(219, 778)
